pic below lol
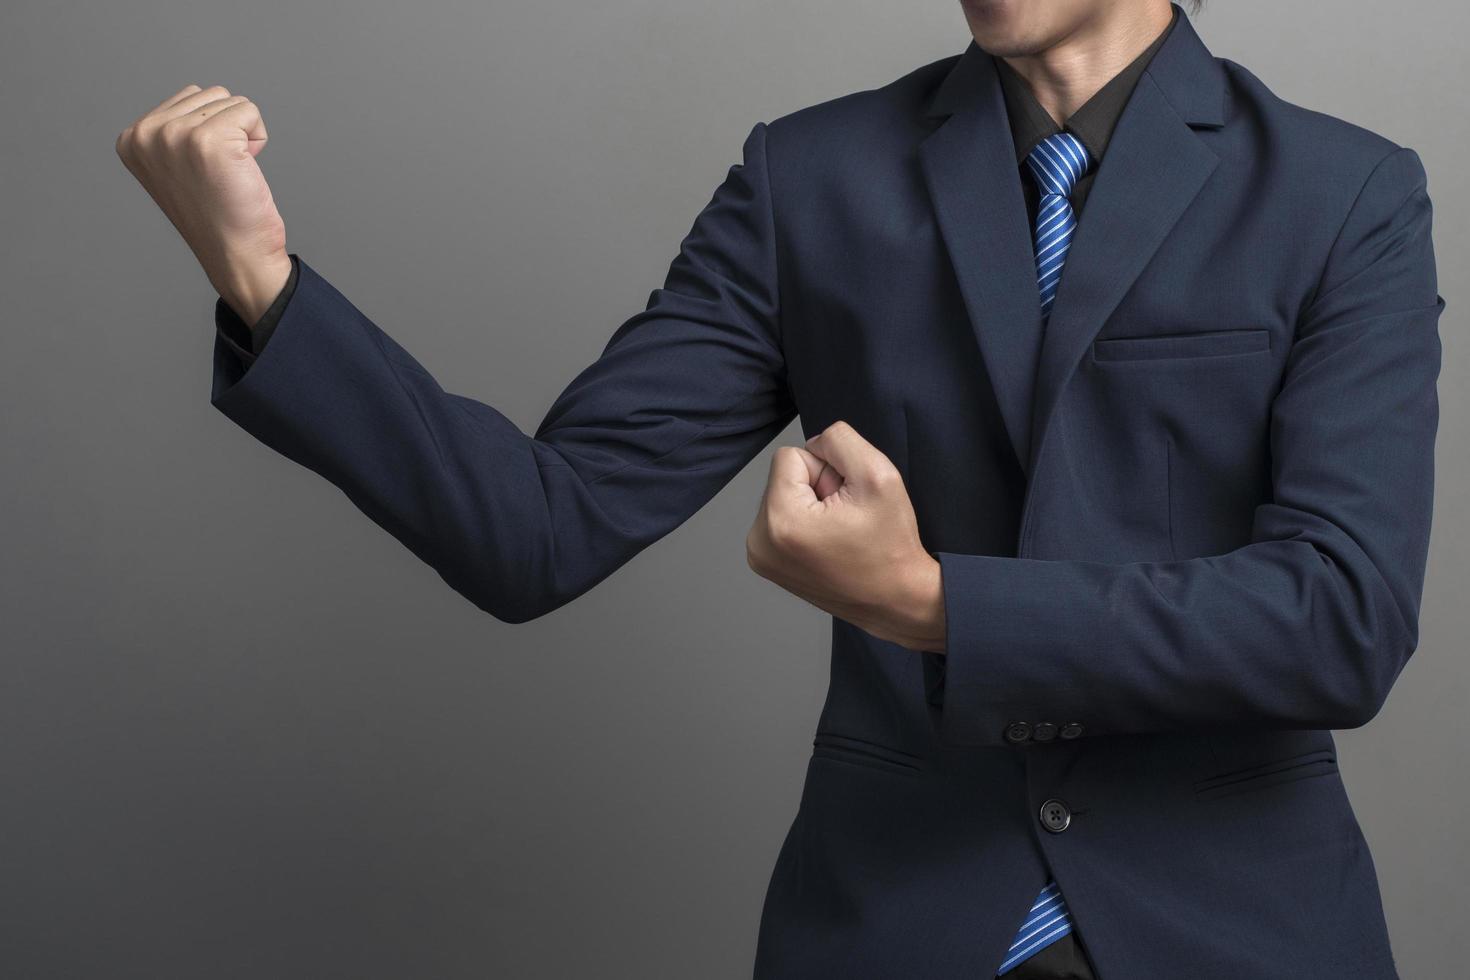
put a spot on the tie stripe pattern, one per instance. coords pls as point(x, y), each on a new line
point(1057, 163)
point(1048, 921)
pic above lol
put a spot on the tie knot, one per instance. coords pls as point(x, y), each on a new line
point(1057, 163)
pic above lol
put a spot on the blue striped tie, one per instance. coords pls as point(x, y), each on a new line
point(1056, 163)
point(1047, 922)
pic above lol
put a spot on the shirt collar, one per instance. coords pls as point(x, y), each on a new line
point(1094, 120)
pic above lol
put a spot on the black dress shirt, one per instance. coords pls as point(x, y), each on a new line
point(246, 343)
point(1092, 123)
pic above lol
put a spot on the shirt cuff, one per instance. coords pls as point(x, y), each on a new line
point(246, 342)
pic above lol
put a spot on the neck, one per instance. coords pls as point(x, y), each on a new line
point(1068, 72)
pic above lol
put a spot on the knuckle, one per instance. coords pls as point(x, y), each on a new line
point(882, 475)
point(195, 136)
point(783, 534)
point(194, 148)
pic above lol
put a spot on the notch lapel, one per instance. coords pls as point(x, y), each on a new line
point(969, 166)
point(1154, 167)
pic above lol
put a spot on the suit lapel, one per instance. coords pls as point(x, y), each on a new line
point(969, 165)
point(1154, 167)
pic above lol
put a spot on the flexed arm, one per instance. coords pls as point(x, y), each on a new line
point(683, 395)
point(1308, 626)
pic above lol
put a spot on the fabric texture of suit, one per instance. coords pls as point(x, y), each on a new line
point(1185, 526)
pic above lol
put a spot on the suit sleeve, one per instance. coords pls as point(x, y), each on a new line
point(246, 342)
point(1309, 624)
point(682, 396)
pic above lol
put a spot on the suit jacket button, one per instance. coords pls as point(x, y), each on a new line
point(1055, 816)
point(1071, 730)
point(1044, 731)
point(1018, 731)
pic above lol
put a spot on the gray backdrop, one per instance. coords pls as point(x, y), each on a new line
point(245, 733)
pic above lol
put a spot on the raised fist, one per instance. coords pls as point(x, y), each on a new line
point(195, 155)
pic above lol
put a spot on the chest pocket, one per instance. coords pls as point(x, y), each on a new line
point(1181, 347)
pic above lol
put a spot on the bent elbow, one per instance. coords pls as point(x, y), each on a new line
point(1376, 666)
point(508, 608)
point(515, 605)
point(1361, 636)
point(509, 598)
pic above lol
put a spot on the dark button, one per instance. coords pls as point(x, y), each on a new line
point(1044, 731)
point(1071, 729)
point(1018, 731)
point(1055, 816)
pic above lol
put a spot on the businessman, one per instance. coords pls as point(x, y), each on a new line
point(1118, 374)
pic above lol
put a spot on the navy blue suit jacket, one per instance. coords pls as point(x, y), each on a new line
point(1183, 530)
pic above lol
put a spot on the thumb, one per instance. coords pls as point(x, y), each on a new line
point(858, 461)
point(794, 475)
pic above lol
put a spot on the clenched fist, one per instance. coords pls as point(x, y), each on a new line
point(194, 153)
point(836, 528)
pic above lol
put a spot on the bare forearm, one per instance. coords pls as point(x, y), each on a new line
point(249, 286)
point(915, 620)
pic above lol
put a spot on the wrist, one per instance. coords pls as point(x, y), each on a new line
point(916, 617)
point(250, 285)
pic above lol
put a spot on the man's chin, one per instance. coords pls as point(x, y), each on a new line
point(1002, 29)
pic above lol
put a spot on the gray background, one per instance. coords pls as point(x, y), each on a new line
point(245, 733)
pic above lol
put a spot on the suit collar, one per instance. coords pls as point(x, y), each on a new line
point(1188, 76)
point(1155, 166)
point(1094, 120)
point(1184, 70)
